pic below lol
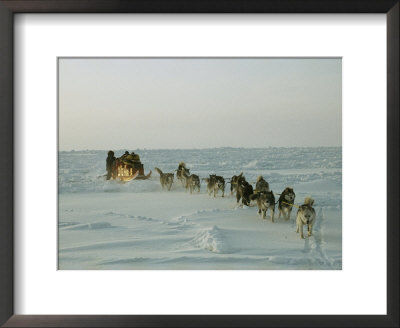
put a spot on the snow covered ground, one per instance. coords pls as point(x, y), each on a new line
point(108, 225)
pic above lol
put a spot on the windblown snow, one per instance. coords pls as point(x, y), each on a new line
point(137, 225)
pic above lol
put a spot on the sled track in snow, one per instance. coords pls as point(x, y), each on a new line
point(314, 245)
point(319, 238)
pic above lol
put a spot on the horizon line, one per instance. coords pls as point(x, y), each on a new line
point(205, 148)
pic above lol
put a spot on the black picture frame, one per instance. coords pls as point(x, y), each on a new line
point(10, 7)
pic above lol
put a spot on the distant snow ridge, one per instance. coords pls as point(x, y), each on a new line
point(213, 240)
point(87, 226)
point(252, 164)
point(139, 217)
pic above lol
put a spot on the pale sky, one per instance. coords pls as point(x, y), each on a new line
point(128, 103)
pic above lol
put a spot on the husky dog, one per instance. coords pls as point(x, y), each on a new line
point(234, 181)
point(244, 190)
point(166, 179)
point(214, 184)
point(179, 173)
point(210, 184)
point(265, 201)
point(262, 185)
point(305, 216)
point(192, 182)
point(218, 183)
point(286, 201)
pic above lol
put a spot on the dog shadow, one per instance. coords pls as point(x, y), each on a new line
point(307, 247)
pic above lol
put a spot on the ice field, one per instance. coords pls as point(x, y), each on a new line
point(109, 226)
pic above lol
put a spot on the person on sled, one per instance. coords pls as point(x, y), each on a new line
point(109, 164)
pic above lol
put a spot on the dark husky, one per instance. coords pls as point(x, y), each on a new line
point(210, 185)
point(215, 183)
point(262, 185)
point(265, 201)
point(166, 179)
point(192, 182)
point(286, 201)
point(179, 172)
point(244, 190)
point(234, 181)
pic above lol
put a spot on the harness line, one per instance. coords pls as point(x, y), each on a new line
point(297, 206)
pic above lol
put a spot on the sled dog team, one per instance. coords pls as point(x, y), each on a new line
point(244, 191)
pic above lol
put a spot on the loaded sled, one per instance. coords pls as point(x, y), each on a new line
point(127, 168)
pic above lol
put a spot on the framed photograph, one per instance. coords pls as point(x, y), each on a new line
point(229, 139)
point(168, 166)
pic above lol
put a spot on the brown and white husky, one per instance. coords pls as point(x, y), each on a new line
point(166, 179)
point(305, 216)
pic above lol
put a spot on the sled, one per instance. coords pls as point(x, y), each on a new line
point(127, 178)
point(143, 177)
point(126, 172)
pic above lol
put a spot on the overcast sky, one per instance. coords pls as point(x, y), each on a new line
point(199, 103)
